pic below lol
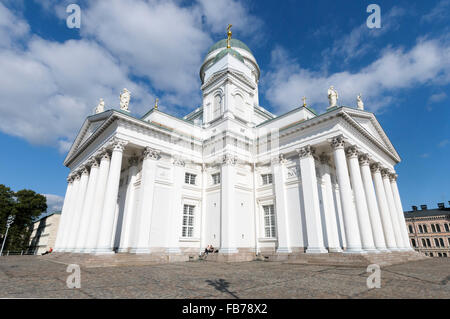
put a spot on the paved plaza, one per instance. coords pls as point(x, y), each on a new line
point(40, 277)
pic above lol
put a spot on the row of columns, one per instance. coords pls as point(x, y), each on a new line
point(368, 197)
point(89, 207)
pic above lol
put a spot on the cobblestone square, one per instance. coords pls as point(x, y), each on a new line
point(39, 277)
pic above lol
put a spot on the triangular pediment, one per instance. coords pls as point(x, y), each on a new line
point(89, 127)
point(370, 124)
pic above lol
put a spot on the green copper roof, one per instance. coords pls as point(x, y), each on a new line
point(228, 51)
point(235, 43)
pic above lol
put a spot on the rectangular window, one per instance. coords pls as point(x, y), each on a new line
point(189, 178)
point(216, 178)
point(188, 221)
point(269, 221)
point(266, 179)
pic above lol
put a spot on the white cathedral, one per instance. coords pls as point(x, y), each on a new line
point(232, 175)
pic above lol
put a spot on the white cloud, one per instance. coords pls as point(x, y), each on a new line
point(428, 62)
point(54, 203)
point(444, 143)
point(220, 13)
point(51, 86)
point(438, 13)
point(360, 40)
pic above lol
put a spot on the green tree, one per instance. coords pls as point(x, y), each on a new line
point(7, 203)
point(26, 206)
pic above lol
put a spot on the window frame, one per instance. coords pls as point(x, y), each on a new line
point(188, 177)
point(267, 179)
point(187, 230)
point(269, 221)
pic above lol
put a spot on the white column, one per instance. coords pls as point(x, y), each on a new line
point(64, 214)
point(78, 210)
point(104, 244)
point(352, 235)
point(87, 206)
point(281, 205)
point(374, 213)
point(71, 212)
point(203, 242)
point(128, 211)
point(96, 212)
point(227, 208)
point(386, 221)
point(398, 204)
point(145, 209)
point(365, 228)
point(311, 201)
point(392, 209)
point(328, 205)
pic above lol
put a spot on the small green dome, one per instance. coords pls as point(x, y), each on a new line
point(228, 51)
point(234, 43)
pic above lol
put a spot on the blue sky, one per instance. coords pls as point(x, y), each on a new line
point(53, 76)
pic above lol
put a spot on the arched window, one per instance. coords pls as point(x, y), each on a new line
point(441, 241)
point(217, 106)
point(425, 229)
point(413, 241)
point(444, 254)
point(433, 228)
point(428, 242)
point(420, 229)
point(446, 228)
point(424, 243)
point(431, 254)
point(410, 229)
point(438, 228)
point(436, 242)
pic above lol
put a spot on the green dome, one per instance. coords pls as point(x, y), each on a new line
point(228, 51)
point(234, 43)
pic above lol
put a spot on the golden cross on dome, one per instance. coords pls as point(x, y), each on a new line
point(229, 34)
point(304, 101)
point(156, 103)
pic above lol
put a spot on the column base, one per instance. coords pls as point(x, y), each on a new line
point(316, 250)
point(139, 251)
point(102, 251)
point(123, 250)
point(395, 249)
point(335, 249)
point(371, 250)
point(359, 251)
point(228, 250)
point(284, 250)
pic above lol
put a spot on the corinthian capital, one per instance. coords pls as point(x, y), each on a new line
point(118, 144)
point(338, 142)
point(375, 168)
point(307, 151)
point(151, 153)
point(352, 151)
point(385, 173)
point(364, 160)
point(280, 159)
point(229, 159)
point(393, 177)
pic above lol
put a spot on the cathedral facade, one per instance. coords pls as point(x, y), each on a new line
point(232, 175)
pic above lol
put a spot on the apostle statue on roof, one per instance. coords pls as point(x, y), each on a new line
point(332, 96)
point(125, 97)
